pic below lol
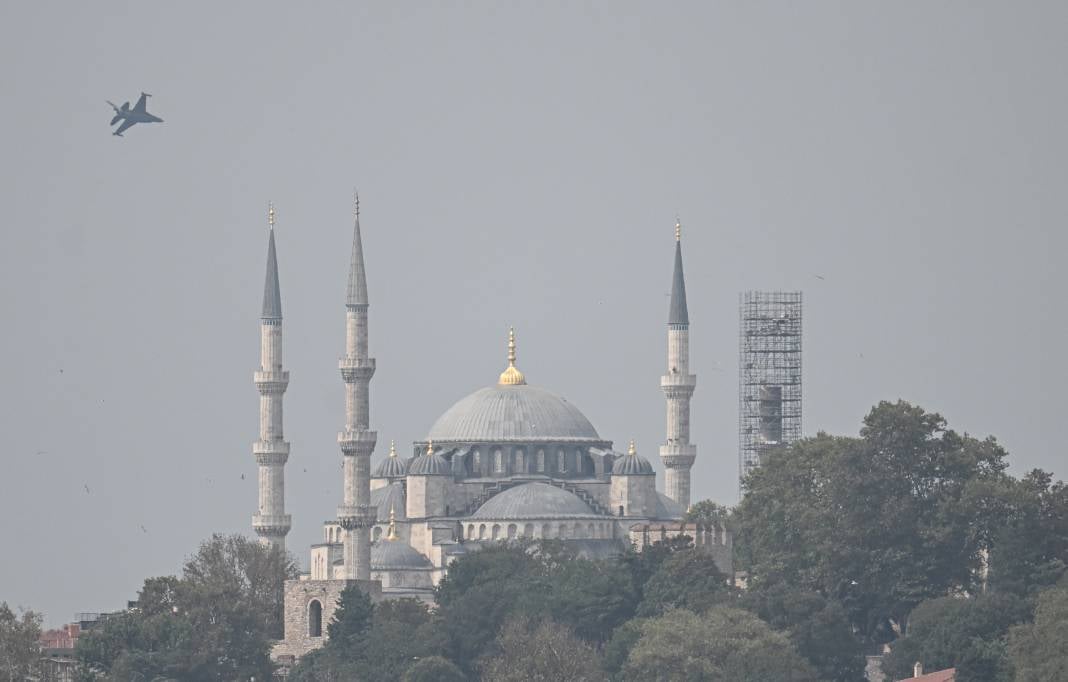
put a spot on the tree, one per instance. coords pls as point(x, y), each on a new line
point(722, 644)
point(877, 523)
point(541, 650)
point(215, 622)
point(687, 579)
point(433, 669)
point(20, 652)
point(817, 627)
point(963, 633)
point(1038, 650)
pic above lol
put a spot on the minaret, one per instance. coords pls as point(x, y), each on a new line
point(357, 442)
point(678, 384)
point(271, 523)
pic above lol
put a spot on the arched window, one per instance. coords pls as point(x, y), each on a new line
point(561, 462)
point(496, 532)
point(590, 532)
point(578, 461)
point(528, 530)
point(470, 531)
point(541, 461)
point(561, 531)
point(498, 462)
point(315, 619)
point(512, 530)
point(520, 462)
point(378, 533)
point(546, 531)
point(476, 463)
point(482, 531)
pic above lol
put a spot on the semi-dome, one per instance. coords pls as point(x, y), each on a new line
point(392, 466)
point(512, 412)
point(396, 554)
point(533, 501)
point(632, 464)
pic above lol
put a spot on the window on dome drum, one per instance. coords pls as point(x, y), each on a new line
point(520, 463)
point(315, 619)
point(476, 464)
point(512, 530)
point(470, 531)
point(528, 530)
point(561, 462)
point(482, 532)
point(546, 531)
point(496, 532)
point(541, 461)
point(498, 462)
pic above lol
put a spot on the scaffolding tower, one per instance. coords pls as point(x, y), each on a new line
point(769, 374)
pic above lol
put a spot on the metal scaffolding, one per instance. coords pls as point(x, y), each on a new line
point(769, 374)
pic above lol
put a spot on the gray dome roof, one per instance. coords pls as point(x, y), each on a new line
point(391, 467)
point(396, 554)
point(632, 465)
point(430, 465)
point(519, 412)
point(533, 501)
point(389, 497)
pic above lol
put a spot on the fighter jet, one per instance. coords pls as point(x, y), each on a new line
point(130, 116)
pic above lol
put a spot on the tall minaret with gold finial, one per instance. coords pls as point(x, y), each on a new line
point(678, 384)
point(271, 522)
point(357, 441)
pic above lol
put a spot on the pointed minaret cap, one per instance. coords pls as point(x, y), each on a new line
point(511, 376)
point(272, 293)
point(677, 313)
point(356, 293)
point(392, 534)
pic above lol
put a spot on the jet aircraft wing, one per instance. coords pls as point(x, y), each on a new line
point(125, 124)
point(140, 106)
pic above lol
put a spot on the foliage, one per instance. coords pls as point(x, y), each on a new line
point(1038, 650)
point(965, 633)
point(19, 649)
point(722, 644)
point(819, 628)
point(215, 622)
point(533, 650)
point(686, 579)
point(877, 523)
point(433, 669)
point(618, 647)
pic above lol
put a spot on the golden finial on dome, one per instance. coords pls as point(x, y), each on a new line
point(678, 229)
point(631, 450)
point(392, 449)
point(392, 534)
point(429, 448)
point(270, 214)
point(511, 376)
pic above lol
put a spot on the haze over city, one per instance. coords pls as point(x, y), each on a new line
point(902, 165)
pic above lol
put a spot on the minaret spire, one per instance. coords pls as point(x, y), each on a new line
point(357, 441)
point(677, 453)
point(271, 523)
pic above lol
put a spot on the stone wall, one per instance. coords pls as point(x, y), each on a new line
point(299, 594)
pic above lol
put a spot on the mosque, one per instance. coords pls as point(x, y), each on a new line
point(508, 461)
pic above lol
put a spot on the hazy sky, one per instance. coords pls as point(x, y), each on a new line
point(519, 164)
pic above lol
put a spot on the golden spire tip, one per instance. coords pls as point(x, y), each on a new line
point(678, 229)
point(429, 448)
point(270, 214)
point(511, 376)
point(392, 534)
point(631, 450)
point(392, 449)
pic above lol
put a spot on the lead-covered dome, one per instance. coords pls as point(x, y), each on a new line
point(396, 554)
point(512, 412)
point(632, 464)
point(533, 501)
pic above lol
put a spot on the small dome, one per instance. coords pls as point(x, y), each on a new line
point(632, 464)
point(430, 464)
point(396, 554)
point(392, 466)
point(389, 497)
point(533, 501)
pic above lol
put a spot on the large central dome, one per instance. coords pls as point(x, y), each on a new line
point(512, 413)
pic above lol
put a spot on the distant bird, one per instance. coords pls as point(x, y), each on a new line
point(61, 370)
point(819, 277)
point(86, 488)
point(143, 529)
point(242, 477)
point(305, 471)
point(41, 452)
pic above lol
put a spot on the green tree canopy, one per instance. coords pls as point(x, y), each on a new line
point(541, 650)
point(433, 669)
point(19, 649)
point(724, 644)
point(1039, 650)
point(215, 622)
point(877, 523)
point(687, 579)
point(963, 633)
